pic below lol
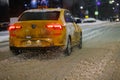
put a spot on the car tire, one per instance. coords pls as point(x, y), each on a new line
point(16, 52)
point(68, 49)
point(80, 42)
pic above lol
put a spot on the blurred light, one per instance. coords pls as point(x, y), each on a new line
point(117, 4)
point(81, 7)
point(113, 1)
point(4, 2)
point(87, 12)
point(113, 8)
point(34, 3)
point(43, 3)
point(96, 12)
point(110, 2)
point(86, 16)
point(98, 3)
point(25, 5)
point(117, 19)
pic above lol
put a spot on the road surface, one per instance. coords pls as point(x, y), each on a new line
point(99, 59)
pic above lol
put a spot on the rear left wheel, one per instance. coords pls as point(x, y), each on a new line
point(16, 52)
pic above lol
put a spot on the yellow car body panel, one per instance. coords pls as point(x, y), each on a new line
point(25, 34)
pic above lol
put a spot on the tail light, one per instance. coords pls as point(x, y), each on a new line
point(55, 29)
point(14, 27)
point(54, 26)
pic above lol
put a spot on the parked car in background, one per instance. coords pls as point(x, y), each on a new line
point(4, 26)
point(88, 20)
point(114, 19)
point(45, 29)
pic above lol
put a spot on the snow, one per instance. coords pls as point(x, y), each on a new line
point(4, 37)
point(97, 60)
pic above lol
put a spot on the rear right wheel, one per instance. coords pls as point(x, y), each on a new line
point(80, 42)
point(68, 49)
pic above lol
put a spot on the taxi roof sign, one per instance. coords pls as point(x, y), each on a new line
point(41, 7)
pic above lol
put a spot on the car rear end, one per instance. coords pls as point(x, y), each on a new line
point(37, 29)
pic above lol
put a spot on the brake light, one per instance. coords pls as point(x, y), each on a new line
point(11, 27)
point(14, 27)
point(54, 26)
point(57, 26)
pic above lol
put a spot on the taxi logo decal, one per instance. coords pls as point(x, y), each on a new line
point(33, 26)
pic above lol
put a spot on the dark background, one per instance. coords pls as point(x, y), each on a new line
point(16, 7)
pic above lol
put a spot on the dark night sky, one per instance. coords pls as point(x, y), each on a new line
point(16, 7)
point(3, 11)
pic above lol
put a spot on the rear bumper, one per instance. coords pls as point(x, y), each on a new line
point(36, 48)
point(36, 43)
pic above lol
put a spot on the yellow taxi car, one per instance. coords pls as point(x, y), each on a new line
point(42, 29)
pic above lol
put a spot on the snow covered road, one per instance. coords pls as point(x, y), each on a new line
point(99, 59)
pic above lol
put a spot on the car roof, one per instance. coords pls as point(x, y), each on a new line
point(45, 10)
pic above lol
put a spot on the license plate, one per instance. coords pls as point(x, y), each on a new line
point(28, 37)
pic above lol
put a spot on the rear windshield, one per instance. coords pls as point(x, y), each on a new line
point(53, 15)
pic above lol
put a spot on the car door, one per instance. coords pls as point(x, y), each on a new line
point(70, 26)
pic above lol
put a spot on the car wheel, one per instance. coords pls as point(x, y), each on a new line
point(16, 52)
point(68, 49)
point(80, 42)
